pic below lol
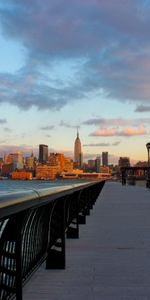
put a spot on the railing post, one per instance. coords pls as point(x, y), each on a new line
point(82, 219)
point(56, 253)
point(19, 262)
point(73, 229)
point(123, 177)
point(82, 215)
point(11, 263)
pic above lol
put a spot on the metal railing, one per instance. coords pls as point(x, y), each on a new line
point(33, 228)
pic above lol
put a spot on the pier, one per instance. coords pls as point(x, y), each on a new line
point(109, 259)
point(34, 225)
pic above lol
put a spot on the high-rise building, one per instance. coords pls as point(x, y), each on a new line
point(77, 151)
point(98, 164)
point(104, 158)
point(43, 153)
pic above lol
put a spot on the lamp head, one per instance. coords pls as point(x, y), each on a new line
point(148, 146)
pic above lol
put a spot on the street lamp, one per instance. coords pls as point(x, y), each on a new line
point(148, 165)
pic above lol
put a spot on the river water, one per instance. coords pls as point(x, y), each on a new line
point(9, 186)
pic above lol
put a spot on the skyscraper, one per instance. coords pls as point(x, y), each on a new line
point(77, 151)
point(105, 158)
point(43, 153)
point(98, 164)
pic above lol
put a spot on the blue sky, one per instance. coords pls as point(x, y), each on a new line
point(70, 63)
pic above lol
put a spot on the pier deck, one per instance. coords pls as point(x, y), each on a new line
point(111, 259)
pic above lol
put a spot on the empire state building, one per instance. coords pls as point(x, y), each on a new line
point(77, 151)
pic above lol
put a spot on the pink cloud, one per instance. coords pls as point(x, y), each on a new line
point(132, 131)
point(128, 131)
point(105, 132)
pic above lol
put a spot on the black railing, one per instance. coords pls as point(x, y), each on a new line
point(33, 227)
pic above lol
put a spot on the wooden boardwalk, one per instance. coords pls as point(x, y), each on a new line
point(111, 259)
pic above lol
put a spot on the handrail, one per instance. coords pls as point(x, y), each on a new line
point(33, 228)
point(16, 201)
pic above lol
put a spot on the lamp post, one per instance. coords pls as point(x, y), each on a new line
point(148, 165)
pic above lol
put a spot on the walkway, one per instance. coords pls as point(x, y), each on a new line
point(111, 259)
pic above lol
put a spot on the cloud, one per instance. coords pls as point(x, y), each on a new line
point(116, 143)
point(106, 43)
point(67, 125)
point(50, 127)
point(25, 149)
point(105, 132)
point(97, 145)
point(142, 108)
point(101, 144)
point(48, 135)
point(26, 92)
point(7, 129)
point(117, 121)
point(3, 121)
point(132, 131)
point(3, 142)
point(129, 131)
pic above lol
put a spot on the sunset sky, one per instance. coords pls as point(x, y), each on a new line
point(67, 63)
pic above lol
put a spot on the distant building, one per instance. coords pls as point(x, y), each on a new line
point(86, 176)
point(6, 169)
point(54, 166)
point(43, 153)
point(45, 171)
point(140, 172)
point(124, 162)
point(68, 166)
point(8, 158)
point(105, 170)
point(1, 164)
point(77, 152)
point(104, 158)
point(65, 164)
point(98, 165)
point(141, 164)
point(16, 159)
point(91, 165)
point(29, 162)
point(21, 175)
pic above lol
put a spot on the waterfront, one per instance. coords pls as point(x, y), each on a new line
point(9, 186)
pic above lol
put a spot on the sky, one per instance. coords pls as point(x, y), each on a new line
point(66, 64)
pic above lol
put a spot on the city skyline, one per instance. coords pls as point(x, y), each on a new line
point(71, 64)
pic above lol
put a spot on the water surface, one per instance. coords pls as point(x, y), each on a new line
point(9, 186)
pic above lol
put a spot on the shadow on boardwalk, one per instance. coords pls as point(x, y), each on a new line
point(111, 259)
